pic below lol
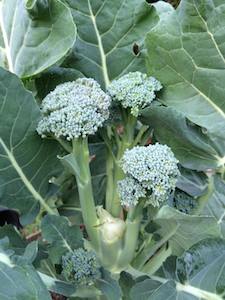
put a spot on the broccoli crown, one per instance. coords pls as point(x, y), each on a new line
point(130, 191)
point(80, 267)
point(74, 109)
point(154, 168)
point(134, 90)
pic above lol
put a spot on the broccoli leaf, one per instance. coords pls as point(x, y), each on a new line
point(200, 274)
point(26, 161)
point(58, 286)
point(191, 145)
point(215, 206)
point(203, 266)
point(110, 40)
point(151, 289)
point(192, 182)
point(36, 34)
point(17, 244)
point(109, 286)
point(61, 235)
point(183, 230)
point(19, 280)
point(186, 53)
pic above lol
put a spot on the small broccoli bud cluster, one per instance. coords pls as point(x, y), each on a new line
point(80, 267)
point(183, 202)
point(130, 191)
point(134, 90)
point(74, 109)
point(152, 173)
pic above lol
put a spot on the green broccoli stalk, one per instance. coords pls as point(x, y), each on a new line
point(112, 231)
point(130, 93)
point(72, 112)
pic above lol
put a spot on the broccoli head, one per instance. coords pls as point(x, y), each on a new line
point(134, 90)
point(154, 173)
point(80, 267)
point(74, 109)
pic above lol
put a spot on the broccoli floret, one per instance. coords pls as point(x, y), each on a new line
point(130, 191)
point(183, 202)
point(134, 90)
point(80, 267)
point(74, 109)
point(155, 168)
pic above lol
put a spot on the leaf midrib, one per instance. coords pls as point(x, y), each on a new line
point(62, 237)
point(100, 44)
point(24, 179)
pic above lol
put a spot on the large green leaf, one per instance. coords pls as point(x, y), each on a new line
point(183, 230)
point(17, 243)
point(150, 289)
point(110, 36)
point(190, 144)
point(126, 282)
point(203, 266)
point(26, 161)
point(215, 206)
point(192, 182)
point(61, 236)
point(158, 288)
point(162, 289)
point(58, 286)
point(36, 34)
point(186, 52)
point(19, 280)
point(109, 286)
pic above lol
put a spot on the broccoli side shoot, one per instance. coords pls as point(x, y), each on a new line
point(134, 90)
point(74, 109)
point(80, 267)
point(183, 202)
point(152, 173)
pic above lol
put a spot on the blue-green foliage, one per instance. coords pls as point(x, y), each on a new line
point(74, 109)
point(134, 90)
point(154, 174)
point(81, 267)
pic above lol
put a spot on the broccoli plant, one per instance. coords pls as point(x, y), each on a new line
point(77, 110)
point(112, 155)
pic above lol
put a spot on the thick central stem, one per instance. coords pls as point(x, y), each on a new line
point(84, 184)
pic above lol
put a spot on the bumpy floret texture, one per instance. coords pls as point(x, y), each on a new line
point(183, 202)
point(134, 90)
point(74, 109)
point(130, 191)
point(80, 267)
point(155, 168)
